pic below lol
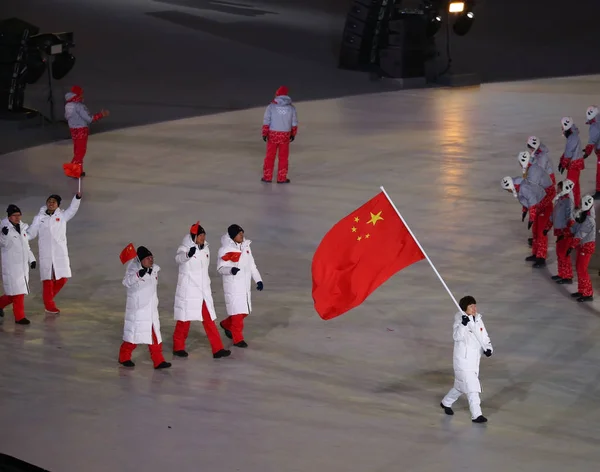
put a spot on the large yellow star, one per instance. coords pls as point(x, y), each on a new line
point(354, 229)
point(356, 219)
point(375, 218)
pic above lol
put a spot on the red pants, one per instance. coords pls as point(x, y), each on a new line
point(80, 139)
point(182, 329)
point(155, 351)
point(598, 170)
point(584, 283)
point(18, 302)
point(50, 289)
point(573, 176)
point(235, 324)
point(539, 248)
point(565, 267)
point(269, 164)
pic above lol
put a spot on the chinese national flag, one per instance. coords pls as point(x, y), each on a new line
point(72, 170)
point(358, 254)
point(128, 253)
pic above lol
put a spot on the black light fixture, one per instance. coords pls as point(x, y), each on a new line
point(464, 16)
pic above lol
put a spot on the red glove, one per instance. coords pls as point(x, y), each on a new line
point(588, 150)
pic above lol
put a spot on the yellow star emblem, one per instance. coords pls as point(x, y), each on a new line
point(375, 218)
point(356, 219)
point(367, 236)
point(359, 238)
point(353, 229)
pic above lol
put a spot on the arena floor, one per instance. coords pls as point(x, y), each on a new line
point(358, 393)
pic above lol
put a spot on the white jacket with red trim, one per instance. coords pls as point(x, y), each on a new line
point(237, 287)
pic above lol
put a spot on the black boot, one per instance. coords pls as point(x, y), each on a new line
point(480, 419)
point(564, 281)
point(83, 174)
point(531, 258)
point(530, 242)
point(556, 277)
point(163, 365)
point(226, 331)
point(265, 180)
point(1, 312)
point(241, 344)
point(539, 263)
point(596, 196)
point(585, 299)
point(449, 411)
point(23, 321)
point(128, 363)
point(181, 353)
point(286, 181)
point(222, 353)
point(576, 295)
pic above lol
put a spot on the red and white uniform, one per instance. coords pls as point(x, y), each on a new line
point(280, 125)
point(79, 118)
point(193, 296)
point(584, 242)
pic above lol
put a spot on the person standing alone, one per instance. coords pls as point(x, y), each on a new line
point(280, 126)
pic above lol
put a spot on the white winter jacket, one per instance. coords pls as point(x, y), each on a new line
point(16, 257)
point(469, 343)
point(141, 310)
point(52, 243)
point(193, 283)
point(237, 287)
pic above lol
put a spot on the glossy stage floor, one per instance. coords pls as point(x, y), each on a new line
point(357, 393)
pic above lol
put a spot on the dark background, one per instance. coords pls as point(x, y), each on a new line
point(158, 60)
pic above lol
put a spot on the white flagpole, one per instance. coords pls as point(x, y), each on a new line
point(79, 186)
point(421, 248)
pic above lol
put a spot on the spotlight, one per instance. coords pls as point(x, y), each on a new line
point(433, 26)
point(463, 23)
point(456, 7)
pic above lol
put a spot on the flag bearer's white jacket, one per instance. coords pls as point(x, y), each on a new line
point(16, 258)
point(237, 287)
point(141, 310)
point(469, 343)
point(193, 283)
point(52, 242)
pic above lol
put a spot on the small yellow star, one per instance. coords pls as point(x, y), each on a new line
point(353, 229)
point(367, 236)
point(375, 218)
point(359, 238)
point(356, 219)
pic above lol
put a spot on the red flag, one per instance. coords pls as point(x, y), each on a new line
point(72, 169)
point(128, 253)
point(232, 256)
point(358, 254)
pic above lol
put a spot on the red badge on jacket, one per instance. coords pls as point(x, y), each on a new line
point(57, 219)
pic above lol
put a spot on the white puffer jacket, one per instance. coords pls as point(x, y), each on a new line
point(52, 243)
point(237, 287)
point(469, 343)
point(16, 258)
point(141, 311)
point(193, 283)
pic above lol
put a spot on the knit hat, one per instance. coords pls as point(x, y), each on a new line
point(56, 197)
point(143, 252)
point(234, 230)
point(12, 209)
point(196, 229)
point(77, 90)
point(283, 90)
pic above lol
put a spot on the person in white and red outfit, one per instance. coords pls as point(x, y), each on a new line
point(236, 265)
point(193, 297)
point(572, 159)
point(562, 220)
point(593, 145)
point(17, 259)
point(50, 225)
point(584, 242)
point(79, 118)
point(540, 155)
point(142, 325)
point(280, 126)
